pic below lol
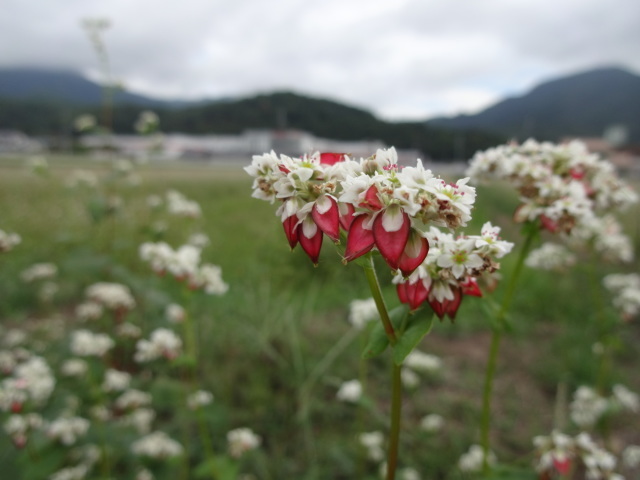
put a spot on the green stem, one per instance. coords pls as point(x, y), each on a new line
point(498, 330)
point(376, 292)
point(396, 380)
point(396, 410)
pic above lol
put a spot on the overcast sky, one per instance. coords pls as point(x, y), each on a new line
point(397, 58)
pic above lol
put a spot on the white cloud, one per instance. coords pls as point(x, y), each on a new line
point(402, 59)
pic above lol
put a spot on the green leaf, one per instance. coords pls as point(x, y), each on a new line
point(220, 467)
point(377, 343)
point(378, 340)
point(417, 329)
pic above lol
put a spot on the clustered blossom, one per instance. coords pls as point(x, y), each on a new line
point(562, 454)
point(350, 391)
point(162, 343)
point(8, 241)
point(89, 311)
point(472, 460)
point(626, 291)
point(66, 430)
point(373, 443)
point(178, 204)
point(115, 380)
point(175, 313)
point(38, 271)
point(85, 343)
point(418, 361)
point(18, 427)
point(551, 256)
point(377, 204)
point(432, 422)
point(241, 440)
point(604, 233)
point(561, 185)
point(156, 445)
point(451, 269)
point(362, 312)
point(588, 406)
point(112, 296)
point(199, 398)
point(132, 399)
point(184, 264)
point(82, 178)
point(31, 380)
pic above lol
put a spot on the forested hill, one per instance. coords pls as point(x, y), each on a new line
point(585, 104)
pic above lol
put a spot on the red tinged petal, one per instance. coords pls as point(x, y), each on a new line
point(328, 221)
point(290, 230)
point(470, 287)
point(391, 243)
point(328, 158)
point(549, 224)
point(453, 305)
point(563, 465)
point(359, 240)
point(401, 288)
point(371, 199)
point(438, 308)
point(414, 253)
point(310, 245)
point(419, 294)
point(346, 215)
point(283, 169)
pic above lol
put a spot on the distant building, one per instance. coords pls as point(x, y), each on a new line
point(13, 141)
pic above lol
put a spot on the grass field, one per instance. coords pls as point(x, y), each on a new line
point(275, 348)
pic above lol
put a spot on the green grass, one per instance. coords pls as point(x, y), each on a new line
point(261, 341)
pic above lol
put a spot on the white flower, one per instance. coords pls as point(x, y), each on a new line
point(410, 379)
point(39, 271)
point(8, 241)
point(361, 312)
point(199, 399)
point(626, 398)
point(79, 472)
point(631, 456)
point(432, 422)
point(350, 391)
point(551, 256)
point(587, 407)
point(423, 362)
point(473, 459)
point(178, 204)
point(132, 399)
point(89, 311)
point(112, 296)
point(241, 440)
point(74, 367)
point(156, 445)
point(373, 442)
point(175, 313)
point(140, 419)
point(85, 343)
point(115, 380)
point(68, 429)
point(162, 343)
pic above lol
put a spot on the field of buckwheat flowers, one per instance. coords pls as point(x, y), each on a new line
point(365, 321)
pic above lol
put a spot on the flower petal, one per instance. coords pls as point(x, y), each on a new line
point(329, 158)
point(392, 243)
point(371, 199)
point(290, 230)
point(313, 244)
point(359, 240)
point(414, 253)
point(346, 214)
point(327, 217)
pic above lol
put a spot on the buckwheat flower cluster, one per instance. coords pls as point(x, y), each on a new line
point(140, 419)
point(175, 313)
point(115, 380)
point(432, 423)
point(472, 460)
point(349, 391)
point(184, 264)
point(178, 204)
point(8, 241)
point(605, 235)
point(587, 407)
point(39, 271)
point(132, 399)
point(373, 443)
point(162, 343)
point(560, 454)
point(562, 185)
point(74, 367)
point(89, 311)
point(378, 205)
point(552, 257)
point(199, 398)
point(112, 296)
point(156, 445)
point(18, 427)
point(451, 269)
point(31, 381)
point(85, 343)
point(66, 430)
point(241, 440)
point(82, 178)
point(626, 293)
point(362, 312)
